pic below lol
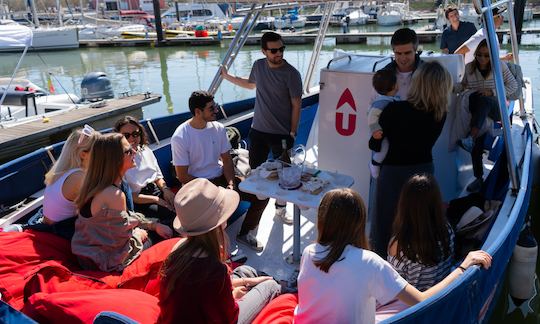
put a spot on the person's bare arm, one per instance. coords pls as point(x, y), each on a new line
point(182, 174)
point(239, 81)
point(411, 296)
point(228, 169)
point(72, 185)
point(296, 104)
point(463, 49)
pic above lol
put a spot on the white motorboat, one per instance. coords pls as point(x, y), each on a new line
point(290, 21)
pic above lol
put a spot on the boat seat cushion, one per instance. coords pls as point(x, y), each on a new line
point(21, 252)
point(143, 273)
point(84, 306)
point(278, 311)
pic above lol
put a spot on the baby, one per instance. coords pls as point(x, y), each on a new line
point(385, 83)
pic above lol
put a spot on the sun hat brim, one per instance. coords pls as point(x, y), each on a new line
point(223, 207)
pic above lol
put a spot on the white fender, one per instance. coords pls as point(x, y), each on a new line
point(522, 267)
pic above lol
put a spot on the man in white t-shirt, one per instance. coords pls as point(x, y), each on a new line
point(469, 47)
point(200, 149)
point(404, 44)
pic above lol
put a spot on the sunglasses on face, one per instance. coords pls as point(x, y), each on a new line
point(135, 134)
point(275, 50)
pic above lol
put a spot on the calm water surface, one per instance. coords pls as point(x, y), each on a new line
point(176, 71)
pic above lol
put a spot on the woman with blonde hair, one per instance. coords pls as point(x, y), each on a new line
point(412, 128)
point(107, 235)
point(341, 280)
point(63, 183)
point(196, 284)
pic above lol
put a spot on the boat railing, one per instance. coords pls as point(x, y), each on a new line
point(325, 22)
point(248, 24)
point(485, 8)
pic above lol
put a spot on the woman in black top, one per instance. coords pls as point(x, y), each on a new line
point(411, 127)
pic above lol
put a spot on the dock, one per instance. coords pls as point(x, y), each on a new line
point(177, 41)
point(18, 140)
point(300, 36)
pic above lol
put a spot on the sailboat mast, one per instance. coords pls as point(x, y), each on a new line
point(34, 13)
point(59, 10)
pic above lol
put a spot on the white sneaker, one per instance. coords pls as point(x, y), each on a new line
point(13, 228)
point(286, 218)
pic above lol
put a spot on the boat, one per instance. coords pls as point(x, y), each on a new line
point(391, 14)
point(467, 13)
point(263, 23)
point(25, 100)
point(46, 38)
point(194, 13)
point(471, 297)
point(290, 20)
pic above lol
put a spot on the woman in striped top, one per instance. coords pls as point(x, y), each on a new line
point(422, 247)
point(483, 103)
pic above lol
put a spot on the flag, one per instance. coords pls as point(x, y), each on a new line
point(50, 85)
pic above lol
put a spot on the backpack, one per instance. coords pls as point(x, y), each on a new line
point(515, 69)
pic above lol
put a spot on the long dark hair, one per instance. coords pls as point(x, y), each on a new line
point(341, 221)
point(211, 244)
point(420, 227)
point(130, 120)
point(475, 64)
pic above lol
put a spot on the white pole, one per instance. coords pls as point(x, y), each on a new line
point(13, 75)
point(34, 13)
point(59, 9)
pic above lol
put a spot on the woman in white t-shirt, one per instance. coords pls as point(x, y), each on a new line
point(340, 280)
point(151, 195)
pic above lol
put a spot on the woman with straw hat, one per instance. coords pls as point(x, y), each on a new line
point(196, 285)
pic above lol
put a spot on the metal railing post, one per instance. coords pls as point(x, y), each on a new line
point(515, 49)
point(493, 44)
point(328, 9)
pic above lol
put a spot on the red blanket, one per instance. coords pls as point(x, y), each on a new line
point(37, 262)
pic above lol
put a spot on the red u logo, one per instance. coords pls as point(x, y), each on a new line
point(346, 98)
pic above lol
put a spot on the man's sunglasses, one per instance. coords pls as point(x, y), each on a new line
point(135, 134)
point(275, 50)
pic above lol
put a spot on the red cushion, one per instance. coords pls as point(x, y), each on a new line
point(143, 273)
point(83, 306)
point(22, 252)
point(278, 311)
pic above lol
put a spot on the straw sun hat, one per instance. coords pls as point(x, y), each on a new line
point(201, 206)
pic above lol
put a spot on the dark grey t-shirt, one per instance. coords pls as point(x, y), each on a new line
point(275, 88)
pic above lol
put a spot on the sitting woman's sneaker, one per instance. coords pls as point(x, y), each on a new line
point(250, 241)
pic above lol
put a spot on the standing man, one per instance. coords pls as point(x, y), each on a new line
point(404, 43)
point(200, 149)
point(278, 101)
point(457, 33)
point(469, 47)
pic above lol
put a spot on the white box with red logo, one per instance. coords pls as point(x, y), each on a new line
point(345, 97)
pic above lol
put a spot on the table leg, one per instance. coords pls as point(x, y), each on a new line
point(295, 257)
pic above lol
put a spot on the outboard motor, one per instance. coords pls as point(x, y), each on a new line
point(95, 86)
